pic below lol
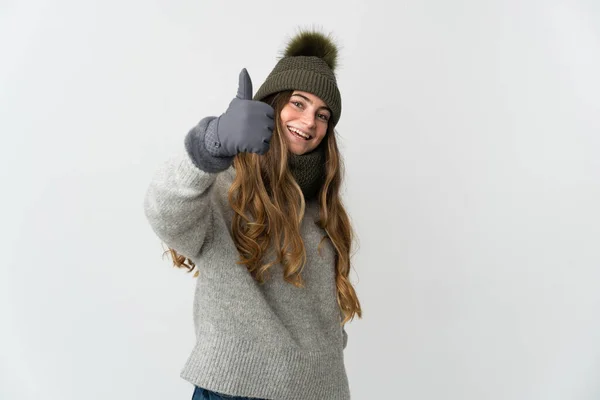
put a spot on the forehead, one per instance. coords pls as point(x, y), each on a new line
point(316, 100)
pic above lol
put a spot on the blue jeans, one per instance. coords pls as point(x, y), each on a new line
point(204, 394)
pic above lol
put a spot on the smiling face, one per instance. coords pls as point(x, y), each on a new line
point(304, 121)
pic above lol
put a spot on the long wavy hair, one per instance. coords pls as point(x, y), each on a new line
point(264, 194)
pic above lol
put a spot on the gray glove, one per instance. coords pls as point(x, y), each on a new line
point(246, 126)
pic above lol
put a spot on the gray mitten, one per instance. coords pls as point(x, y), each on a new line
point(246, 126)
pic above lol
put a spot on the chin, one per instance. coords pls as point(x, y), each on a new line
point(298, 152)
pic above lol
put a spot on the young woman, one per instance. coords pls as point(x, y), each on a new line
point(254, 204)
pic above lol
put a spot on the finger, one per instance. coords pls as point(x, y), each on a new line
point(269, 111)
point(245, 86)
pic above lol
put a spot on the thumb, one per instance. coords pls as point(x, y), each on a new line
point(245, 86)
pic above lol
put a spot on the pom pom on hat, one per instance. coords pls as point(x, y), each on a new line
point(315, 44)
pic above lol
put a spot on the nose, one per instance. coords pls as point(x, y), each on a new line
point(309, 120)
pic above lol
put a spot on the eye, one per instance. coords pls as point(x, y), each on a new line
point(324, 117)
point(297, 104)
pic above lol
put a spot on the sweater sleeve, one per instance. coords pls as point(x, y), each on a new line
point(344, 337)
point(178, 200)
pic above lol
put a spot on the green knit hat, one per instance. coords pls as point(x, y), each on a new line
point(307, 64)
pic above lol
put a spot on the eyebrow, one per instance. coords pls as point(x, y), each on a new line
point(310, 101)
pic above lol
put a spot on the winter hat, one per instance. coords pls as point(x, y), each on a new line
point(308, 64)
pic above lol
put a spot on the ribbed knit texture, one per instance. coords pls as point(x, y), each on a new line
point(308, 74)
point(268, 341)
point(309, 170)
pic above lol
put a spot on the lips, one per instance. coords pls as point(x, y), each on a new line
point(298, 133)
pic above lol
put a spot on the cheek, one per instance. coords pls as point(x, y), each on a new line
point(286, 114)
point(321, 135)
point(319, 139)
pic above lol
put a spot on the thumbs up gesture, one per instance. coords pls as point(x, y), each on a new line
point(247, 125)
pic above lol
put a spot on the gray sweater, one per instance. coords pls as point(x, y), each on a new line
point(269, 341)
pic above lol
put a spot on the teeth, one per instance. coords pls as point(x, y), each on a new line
point(304, 135)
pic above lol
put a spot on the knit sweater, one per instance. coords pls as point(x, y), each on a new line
point(270, 340)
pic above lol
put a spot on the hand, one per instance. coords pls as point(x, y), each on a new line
point(247, 125)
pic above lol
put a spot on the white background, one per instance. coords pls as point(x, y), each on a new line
point(471, 137)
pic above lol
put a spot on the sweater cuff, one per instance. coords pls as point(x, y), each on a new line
point(196, 148)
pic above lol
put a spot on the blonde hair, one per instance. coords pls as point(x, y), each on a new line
point(262, 203)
